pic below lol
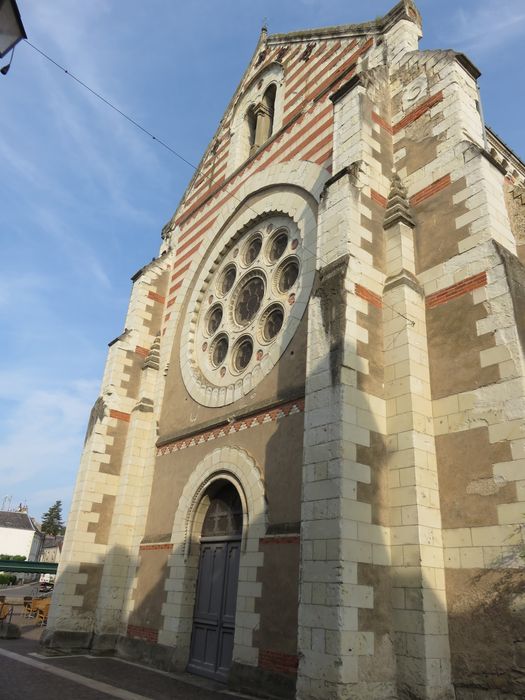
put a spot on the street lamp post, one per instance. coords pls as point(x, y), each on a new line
point(11, 30)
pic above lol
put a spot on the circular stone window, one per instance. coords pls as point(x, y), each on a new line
point(272, 322)
point(278, 245)
point(227, 280)
point(242, 354)
point(214, 319)
point(262, 282)
point(253, 249)
point(287, 275)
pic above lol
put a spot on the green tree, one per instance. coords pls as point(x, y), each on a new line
point(52, 523)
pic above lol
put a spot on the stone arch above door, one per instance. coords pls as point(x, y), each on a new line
point(225, 464)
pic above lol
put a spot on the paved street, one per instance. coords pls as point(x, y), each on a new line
point(25, 673)
point(20, 591)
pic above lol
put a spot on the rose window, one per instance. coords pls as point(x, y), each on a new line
point(247, 300)
point(248, 303)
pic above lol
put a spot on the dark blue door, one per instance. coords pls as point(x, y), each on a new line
point(214, 614)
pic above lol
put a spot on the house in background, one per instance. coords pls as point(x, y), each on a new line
point(20, 535)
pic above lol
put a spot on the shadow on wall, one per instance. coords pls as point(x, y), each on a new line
point(484, 606)
point(487, 630)
point(81, 618)
point(408, 621)
point(139, 640)
point(274, 639)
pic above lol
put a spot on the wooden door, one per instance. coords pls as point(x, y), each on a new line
point(214, 614)
point(216, 596)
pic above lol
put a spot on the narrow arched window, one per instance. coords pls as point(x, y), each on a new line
point(260, 119)
point(269, 105)
point(251, 120)
point(257, 115)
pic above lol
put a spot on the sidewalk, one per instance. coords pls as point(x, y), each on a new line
point(27, 673)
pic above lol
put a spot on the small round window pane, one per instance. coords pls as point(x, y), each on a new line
point(278, 246)
point(227, 280)
point(219, 351)
point(243, 354)
point(273, 323)
point(288, 276)
point(249, 300)
point(253, 250)
point(214, 319)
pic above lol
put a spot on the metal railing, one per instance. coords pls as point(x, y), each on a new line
point(29, 567)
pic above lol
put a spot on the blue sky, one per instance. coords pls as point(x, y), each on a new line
point(84, 194)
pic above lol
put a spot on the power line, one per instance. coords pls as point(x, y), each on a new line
point(111, 105)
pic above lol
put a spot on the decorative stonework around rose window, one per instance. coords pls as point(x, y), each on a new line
point(246, 310)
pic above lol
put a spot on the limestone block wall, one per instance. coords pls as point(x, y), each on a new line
point(344, 538)
point(108, 455)
point(515, 198)
point(479, 425)
point(465, 249)
point(432, 281)
point(381, 564)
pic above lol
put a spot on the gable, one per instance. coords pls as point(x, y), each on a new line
point(305, 72)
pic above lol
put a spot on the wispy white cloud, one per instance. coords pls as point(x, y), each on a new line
point(487, 25)
point(41, 434)
point(79, 252)
point(15, 162)
point(106, 151)
point(93, 142)
point(22, 289)
point(66, 32)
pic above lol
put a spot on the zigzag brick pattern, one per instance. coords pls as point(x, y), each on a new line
point(267, 416)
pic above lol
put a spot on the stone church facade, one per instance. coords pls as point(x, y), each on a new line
point(305, 471)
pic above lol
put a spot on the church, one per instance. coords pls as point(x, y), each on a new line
point(304, 476)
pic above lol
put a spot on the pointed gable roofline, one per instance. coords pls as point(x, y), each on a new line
point(260, 43)
point(404, 10)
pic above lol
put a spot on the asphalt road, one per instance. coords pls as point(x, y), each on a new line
point(91, 678)
point(20, 591)
point(27, 674)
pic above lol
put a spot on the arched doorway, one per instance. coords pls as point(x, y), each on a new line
point(216, 595)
